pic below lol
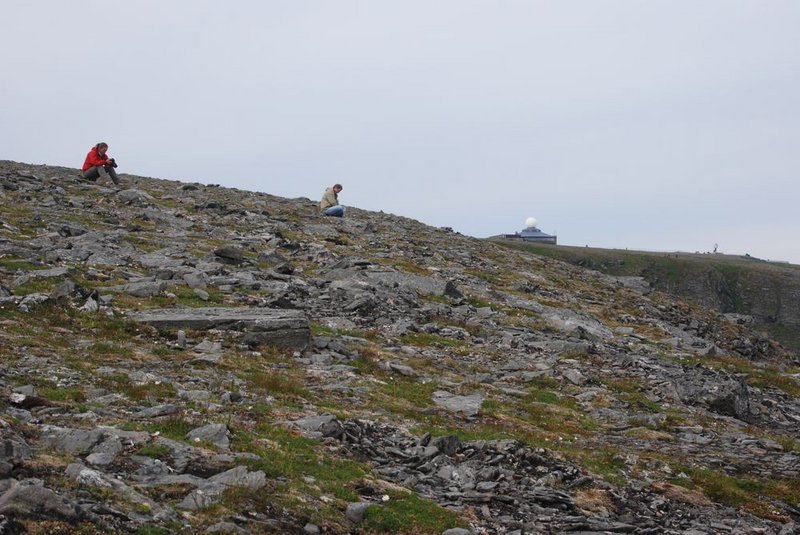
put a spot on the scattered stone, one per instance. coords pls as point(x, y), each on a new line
point(392, 304)
point(355, 511)
point(216, 434)
point(30, 499)
point(467, 405)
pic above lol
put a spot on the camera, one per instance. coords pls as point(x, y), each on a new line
point(112, 162)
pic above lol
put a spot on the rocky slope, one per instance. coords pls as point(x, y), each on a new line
point(186, 358)
point(764, 293)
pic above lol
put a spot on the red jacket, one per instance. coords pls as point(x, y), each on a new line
point(93, 159)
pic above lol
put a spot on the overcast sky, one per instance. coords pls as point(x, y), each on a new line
point(658, 125)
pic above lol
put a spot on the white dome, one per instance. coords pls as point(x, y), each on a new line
point(530, 222)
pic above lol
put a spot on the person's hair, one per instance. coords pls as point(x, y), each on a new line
point(101, 144)
point(339, 186)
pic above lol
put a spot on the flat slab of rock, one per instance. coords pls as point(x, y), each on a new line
point(277, 327)
point(467, 405)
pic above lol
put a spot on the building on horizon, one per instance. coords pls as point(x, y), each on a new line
point(532, 234)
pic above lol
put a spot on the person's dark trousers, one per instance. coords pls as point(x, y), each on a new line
point(101, 170)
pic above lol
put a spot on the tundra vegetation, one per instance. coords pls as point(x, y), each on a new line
point(437, 382)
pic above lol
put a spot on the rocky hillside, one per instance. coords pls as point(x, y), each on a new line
point(186, 358)
point(766, 294)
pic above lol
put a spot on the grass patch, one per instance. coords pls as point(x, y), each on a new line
point(187, 297)
point(607, 463)
point(747, 493)
point(559, 420)
point(438, 299)
point(153, 530)
point(415, 392)
point(723, 488)
point(544, 381)
point(318, 329)
point(57, 527)
point(408, 266)
point(143, 243)
point(75, 394)
point(155, 451)
point(146, 392)
point(477, 302)
point(542, 396)
point(13, 264)
point(287, 455)
point(106, 348)
point(365, 363)
point(428, 340)
point(492, 278)
point(166, 351)
point(640, 401)
point(766, 377)
point(409, 514)
point(629, 390)
point(38, 285)
point(788, 443)
point(174, 427)
point(273, 373)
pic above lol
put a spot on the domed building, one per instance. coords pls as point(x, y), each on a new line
point(532, 233)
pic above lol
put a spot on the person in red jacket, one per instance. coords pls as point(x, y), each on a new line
point(99, 164)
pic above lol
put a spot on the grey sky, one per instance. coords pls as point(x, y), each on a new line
point(659, 125)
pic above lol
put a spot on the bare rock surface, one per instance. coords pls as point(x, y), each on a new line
point(282, 328)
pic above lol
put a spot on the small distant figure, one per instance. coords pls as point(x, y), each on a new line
point(715, 248)
point(329, 205)
point(98, 164)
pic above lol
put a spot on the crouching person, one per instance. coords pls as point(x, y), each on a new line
point(329, 205)
point(98, 164)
